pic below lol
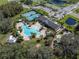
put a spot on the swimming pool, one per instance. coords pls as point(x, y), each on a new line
point(29, 13)
point(32, 15)
point(70, 21)
point(28, 31)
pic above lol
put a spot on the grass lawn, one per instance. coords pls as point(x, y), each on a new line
point(68, 27)
point(65, 5)
point(76, 10)
point(3, 2)
point(52, 6)
point(3, 38)
point(32, 43)
point(40, 11)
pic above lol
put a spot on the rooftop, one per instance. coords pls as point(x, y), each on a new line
point(48, 23)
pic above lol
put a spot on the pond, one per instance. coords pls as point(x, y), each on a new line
point(70, 21)
point(58, 1)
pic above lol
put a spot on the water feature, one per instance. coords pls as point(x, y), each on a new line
point(70, 21)
point(28, 31)
point(58, 1)
point(32, 15)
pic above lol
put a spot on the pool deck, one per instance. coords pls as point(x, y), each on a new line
point(27, 31)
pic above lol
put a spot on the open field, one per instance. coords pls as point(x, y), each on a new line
point(3, 2)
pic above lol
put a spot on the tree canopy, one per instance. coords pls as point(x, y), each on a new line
point(10, 9)
point(5, 25)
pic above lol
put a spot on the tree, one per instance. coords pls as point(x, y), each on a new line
point(5, 25)
point(18, 51)
point(11, 9)
point(14, 51)
point(1, 14)
point(41, 53)
point(68, 45)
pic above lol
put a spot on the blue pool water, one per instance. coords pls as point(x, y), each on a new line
point(28, 31)
point(29, 13)
point(70, 21)
point(32, 15)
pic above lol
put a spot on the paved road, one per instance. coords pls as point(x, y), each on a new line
point(66, 10)
point(76, 15)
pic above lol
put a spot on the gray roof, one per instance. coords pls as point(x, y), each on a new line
point(48, 23)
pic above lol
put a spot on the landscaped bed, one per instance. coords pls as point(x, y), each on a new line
point(69, 22)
